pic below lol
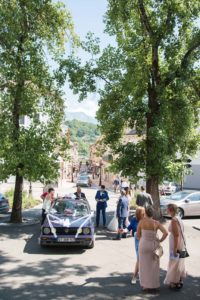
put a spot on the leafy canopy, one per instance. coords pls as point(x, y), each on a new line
point(150, 82)
point(33, 35)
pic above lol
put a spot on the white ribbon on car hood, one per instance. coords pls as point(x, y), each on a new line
point(66, 223)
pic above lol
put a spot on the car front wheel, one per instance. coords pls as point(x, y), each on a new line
point(180, 212)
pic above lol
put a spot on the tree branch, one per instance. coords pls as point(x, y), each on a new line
point(183, 63)
point(144, 18)
point(196, 89)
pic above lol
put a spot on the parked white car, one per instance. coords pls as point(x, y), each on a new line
point(188, 203)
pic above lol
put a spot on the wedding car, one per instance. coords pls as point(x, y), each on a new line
point(69, 223)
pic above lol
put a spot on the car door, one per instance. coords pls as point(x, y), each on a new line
point(194, 204)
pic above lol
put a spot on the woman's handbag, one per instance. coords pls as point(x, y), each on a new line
point(183, 253)
point(158, 251)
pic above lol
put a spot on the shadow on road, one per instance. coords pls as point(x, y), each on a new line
point(50, 279)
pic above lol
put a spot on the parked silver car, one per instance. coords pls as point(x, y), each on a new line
point(188, 203)
point(84, 180)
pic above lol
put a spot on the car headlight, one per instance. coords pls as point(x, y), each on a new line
point(46, 230)
point(66, 230)
point(86, 230)
point(79, 231)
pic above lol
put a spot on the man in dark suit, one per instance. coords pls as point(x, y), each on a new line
point(101, 198)
point(144, 199)
point(78, 194)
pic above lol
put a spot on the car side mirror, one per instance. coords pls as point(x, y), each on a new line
point(187, 201)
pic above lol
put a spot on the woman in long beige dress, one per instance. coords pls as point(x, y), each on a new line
point(176, 267)
point(149, 264)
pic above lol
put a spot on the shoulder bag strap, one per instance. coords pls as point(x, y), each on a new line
point(154, 225)
point(181, 232)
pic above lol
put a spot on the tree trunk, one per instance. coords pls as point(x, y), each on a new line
point(16, 215)
point(152, 187)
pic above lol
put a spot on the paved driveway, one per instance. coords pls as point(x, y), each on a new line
point(29, 272)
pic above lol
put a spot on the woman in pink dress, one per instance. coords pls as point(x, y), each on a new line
point(176, 267)
point(149, 263)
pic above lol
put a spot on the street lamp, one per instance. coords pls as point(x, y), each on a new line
point(72, 173)
point(30, 188)
point(100, 173)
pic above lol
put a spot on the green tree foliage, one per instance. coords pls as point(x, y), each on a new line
point(151, 84)
point(83, 134)
point(31, 34)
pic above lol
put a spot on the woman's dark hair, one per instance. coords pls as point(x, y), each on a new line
point(149, 211)
point(50, 190)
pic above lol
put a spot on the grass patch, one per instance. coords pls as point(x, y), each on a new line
point(27, 201)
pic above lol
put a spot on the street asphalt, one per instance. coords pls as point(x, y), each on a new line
point(104, 272)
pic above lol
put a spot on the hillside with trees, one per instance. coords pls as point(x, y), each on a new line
point(83, 134)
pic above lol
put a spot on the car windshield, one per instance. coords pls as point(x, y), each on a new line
point(71, 207)
point(168, 183)
point(178, 196)
point(83, 177)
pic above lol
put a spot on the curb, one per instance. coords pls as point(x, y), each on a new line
point(25, 222)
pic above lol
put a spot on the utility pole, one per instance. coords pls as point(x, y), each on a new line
point(100, 173)
point(72, 172)
point(30, 188)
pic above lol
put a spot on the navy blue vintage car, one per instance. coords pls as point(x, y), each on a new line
point(68, 223)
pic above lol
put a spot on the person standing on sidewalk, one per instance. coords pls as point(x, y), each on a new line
point(122, 214)
point(101, 198)
point(144, 199)
point(176, 267)
point(139, 215)
point(116, 184)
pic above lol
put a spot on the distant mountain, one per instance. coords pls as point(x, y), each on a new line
point(80, 116)
point(83, 134)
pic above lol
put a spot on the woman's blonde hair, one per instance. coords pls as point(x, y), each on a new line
point(172, 208)
point(139, 213)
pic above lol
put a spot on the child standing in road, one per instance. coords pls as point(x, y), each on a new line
point(139, 214)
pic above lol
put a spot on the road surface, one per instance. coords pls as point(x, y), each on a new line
point(102, 273)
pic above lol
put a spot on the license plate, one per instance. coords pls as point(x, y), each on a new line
point(66, 240)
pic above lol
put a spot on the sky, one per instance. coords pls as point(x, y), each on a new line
point(87, 16)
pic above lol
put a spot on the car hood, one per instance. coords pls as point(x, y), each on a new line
point(82, 180)
point(167, 201)
point(57, 220)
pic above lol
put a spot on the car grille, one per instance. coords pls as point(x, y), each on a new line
point(61, 231)
point(71, 231)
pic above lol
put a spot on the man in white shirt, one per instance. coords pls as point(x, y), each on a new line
point(47, 204)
